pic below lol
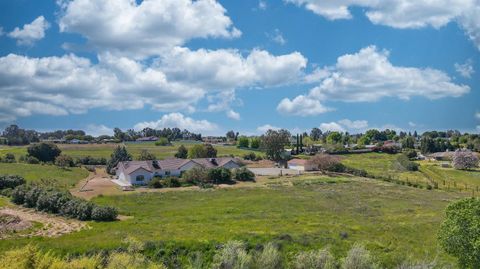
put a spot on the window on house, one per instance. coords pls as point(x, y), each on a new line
point(140, 178)
point(167, 173)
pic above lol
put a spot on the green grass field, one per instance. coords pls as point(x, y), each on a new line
point(105, 150)
point(59, 177)
point(394, 222)
point(380, 164)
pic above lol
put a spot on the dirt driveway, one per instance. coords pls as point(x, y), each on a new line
point(98, 182)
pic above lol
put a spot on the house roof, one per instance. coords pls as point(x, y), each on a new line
point(172, 164)
point(297, 162)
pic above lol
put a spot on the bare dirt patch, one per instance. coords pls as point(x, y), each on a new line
point(97, 183)
point(52, 226)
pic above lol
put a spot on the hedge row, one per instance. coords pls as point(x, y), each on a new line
point(10, 182)
point(61, 203)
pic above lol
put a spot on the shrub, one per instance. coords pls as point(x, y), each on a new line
point(403, 163)
point(255, 143)
point(315, 259)
point(182, 152)
point(18, 195)
point(250, 156)
point(410, 153)
point(9, 158)
point(232, 255)
point(325, 162)
point(358, 258)
point(464, 159)
point(243, 142)
point(104, 213)
point(171, 182)
point(162, 141)
point(219, 175)
point(195, 175)
point(31, 196)
point(32, 160)
point(145, 155)
point(88, 160)
point(269, 257)
point(356, 172)
point(10, 182)
point(83, 210)
point(155, 183)
point(64, 161)
point(243, 174)
point(45, 152)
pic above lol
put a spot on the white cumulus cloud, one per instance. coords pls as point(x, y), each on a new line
point(178, 120)
point(233, 115)
point(301, 106)
point(98, 130)
point(368, 76)
point(146, 28)
point(404, 14)
point(477, 115)
point(264, 128)
point(332, 126)
point(30, 33)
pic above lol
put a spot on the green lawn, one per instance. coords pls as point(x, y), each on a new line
point(105, 150)
point(381, 164)
point(59, 177)
point(395, 222)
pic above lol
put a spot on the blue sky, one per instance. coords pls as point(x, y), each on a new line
point(212, 66)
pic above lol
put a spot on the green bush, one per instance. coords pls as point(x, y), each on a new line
point(104, 213)
point(405, 164)
point(243, 174)
point(9, 158)
point(155, 183)
point(410, 153)
point(219, 175)
point(62, 203)
point(162, 141)
point(171, 182)
point(10, 182)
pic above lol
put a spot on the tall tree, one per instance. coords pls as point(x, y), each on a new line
point(182, 152)
point(120, 154)
point(273, 143)
point(315, 134)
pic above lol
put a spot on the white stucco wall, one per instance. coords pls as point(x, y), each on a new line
point(296, 167)
point(146, 175)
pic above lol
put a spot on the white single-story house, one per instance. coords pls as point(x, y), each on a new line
point(141, 172)
point(300, 165)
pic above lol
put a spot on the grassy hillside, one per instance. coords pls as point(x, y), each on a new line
point(62, 178)
point(395, 222)
point(104, 150)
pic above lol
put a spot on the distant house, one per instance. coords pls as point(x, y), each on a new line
point(147, 139)
point(300, 165)
point(391, 143)
point(141, 172)
point(213, 139)
point(441, 156)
